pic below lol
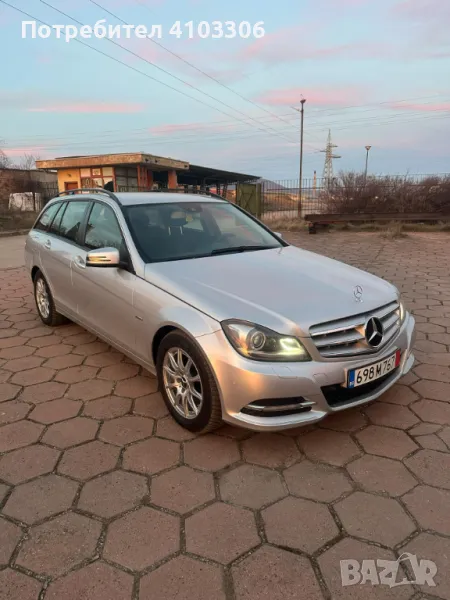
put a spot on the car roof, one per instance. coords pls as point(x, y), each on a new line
point(133, 198)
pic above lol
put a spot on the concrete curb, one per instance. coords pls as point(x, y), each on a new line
point(13, 232)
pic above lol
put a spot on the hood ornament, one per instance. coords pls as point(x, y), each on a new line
point(358, 293)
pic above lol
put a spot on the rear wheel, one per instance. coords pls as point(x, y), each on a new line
point(44, 302)
point(187, 384)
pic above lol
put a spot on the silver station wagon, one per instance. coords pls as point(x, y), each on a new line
point(238, 325)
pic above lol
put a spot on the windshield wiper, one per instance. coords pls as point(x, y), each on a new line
point(241, 249)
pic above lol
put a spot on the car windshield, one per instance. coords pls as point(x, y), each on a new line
point(181, 230)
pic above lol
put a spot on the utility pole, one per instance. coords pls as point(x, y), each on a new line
point(367, 160)
point(300, 182)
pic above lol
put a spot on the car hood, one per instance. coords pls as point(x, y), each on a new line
point(286, 289)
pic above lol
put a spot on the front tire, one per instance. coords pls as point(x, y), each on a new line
point(187, 384)
point(44, 302)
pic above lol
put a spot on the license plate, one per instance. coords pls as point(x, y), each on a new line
point(357, 377)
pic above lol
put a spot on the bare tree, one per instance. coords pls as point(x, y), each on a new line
point(27, 162)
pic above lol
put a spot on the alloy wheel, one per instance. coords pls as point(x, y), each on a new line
point(182, 383)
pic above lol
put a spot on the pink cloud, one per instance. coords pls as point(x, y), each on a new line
point(347, 95)
point(90, 107)
point(34, 150)
point(439, 107)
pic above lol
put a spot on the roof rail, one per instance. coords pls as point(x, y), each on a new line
point(91, 190)
point(179, 191)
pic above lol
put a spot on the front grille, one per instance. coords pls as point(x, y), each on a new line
point(277, 407)
point(336, 395)
point(346, 337)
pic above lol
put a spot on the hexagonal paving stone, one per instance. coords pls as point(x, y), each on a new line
point(430, 506)
point(91, 348)
point(399, 394)
point(424, 429)
point(316, 481)
point(89, 390)
point(55, 410)
point(19, 434)
point(76, 374)
point(385, 441)
point(183, 578)
point(431, 467)
point(433, 390)
point(71, 433)
point(8, 391)
point(25, 463)
point(251, 486)
point(112, 494)
point(211, 452)
point(41, 498)
point(276, 575)
point(437, 549)
point(17, 586)
point(118, 372)
point(151, 456)
point(377, 474)
point(331, 447)
point(169, 428)
point(106, 408)
point(127, 429)
point(182, 489)
point(55, 350)
point(299, 524)
point(60, 544)
point(10, 535)
point(350, 549)
point(63, 362)
point(270, 450)
point(142, 538)
point(346, 421)
point(21, 364)
point(13, 411)
point(391, 415)
point(33, 376)
point(151, 405)
point(432, 442)
point(97, 581)
point(43, 392)
point(88, 460)
point(221, 532)
point(374, 518)
point(4, 489)
point(104, 359)
point(432, 411)
point(136, 386)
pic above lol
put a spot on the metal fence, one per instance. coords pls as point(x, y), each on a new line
point(355, 194)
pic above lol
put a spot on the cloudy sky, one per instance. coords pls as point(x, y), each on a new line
point(373, 72)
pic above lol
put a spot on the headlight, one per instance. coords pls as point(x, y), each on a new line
point(259, 343)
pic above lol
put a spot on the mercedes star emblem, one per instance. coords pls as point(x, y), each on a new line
point(374, 332)
point(358, 292)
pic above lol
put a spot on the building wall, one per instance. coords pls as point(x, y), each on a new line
point(15, 181)
point(72, 175)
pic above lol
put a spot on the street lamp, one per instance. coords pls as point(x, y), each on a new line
point(367, 160)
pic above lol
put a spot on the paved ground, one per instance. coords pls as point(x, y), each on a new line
point(11, 251)
point(103, 497)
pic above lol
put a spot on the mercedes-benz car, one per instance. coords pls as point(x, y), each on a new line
point(237, 324)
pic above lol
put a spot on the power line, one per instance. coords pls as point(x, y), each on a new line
point(194, 66)
point(125, 64)
point(190, 85)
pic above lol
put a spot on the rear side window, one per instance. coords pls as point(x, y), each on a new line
point(56, 223)
point(72, 219)
point(47, 217)
point(102, 229)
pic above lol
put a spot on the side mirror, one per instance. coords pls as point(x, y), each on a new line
point(103, 257)
point(278, 234)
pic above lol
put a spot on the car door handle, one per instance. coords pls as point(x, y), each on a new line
point(79, 261)
point(48, 244)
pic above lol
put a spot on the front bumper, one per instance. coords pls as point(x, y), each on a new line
point(242, 381)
